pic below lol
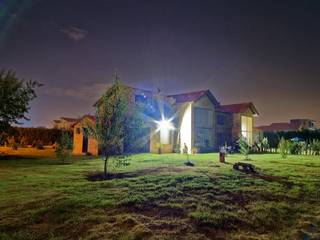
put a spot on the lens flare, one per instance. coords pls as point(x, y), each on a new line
point(165, 124)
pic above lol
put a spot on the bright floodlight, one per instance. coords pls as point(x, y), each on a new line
point(164, 127)
point(164, 124)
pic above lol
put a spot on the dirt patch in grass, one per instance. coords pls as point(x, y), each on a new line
point(154, 210)
point(269, 178)
point(99, 176)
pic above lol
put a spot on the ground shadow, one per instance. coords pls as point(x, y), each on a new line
point(15, 157)
point(269, 178)
point(99, 176)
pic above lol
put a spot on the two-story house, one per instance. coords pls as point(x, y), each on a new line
point(194, 120)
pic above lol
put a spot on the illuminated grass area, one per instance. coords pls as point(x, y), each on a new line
point(157, 197)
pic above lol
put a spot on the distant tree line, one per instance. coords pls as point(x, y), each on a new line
point(36, 137)
point(305, 136)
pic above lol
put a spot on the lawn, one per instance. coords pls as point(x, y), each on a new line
point(158, 197)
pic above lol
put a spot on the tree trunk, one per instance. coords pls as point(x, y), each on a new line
point(105, 167)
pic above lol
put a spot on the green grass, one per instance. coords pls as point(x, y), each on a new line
point(161, 199)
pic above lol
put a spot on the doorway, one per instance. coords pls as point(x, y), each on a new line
point(84, 143)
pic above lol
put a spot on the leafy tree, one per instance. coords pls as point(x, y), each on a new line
point(112, 120)
point(244, 147)
point(15, 96)
point(283, 147)
point(64, 147)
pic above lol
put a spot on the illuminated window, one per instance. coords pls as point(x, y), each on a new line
point(246, 128)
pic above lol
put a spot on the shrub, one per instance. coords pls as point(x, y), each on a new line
point(305, 147)
point(12, 143)
point(194, 150)
point(64, 147)
point(264, 144)
point(244, 147)
point(39, 145)
point(30, 136)
point(315, 147)
point(283, 147)
point(295, 148)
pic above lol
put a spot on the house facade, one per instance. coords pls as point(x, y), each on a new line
point(293, 125)
point(193, 121)
point(82, 143)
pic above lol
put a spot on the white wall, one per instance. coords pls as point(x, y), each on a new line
point(186, 128)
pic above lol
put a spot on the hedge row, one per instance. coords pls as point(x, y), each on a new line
point(30, 136)
point(305, 135)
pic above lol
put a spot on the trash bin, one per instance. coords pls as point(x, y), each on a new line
point(222, 157)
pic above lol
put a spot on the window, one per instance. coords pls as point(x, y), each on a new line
point(203, 118)
point(78, 131)
point(203, 137)
point(203, 127)
point(246, 128)
point(140, 98)
point(220, 119)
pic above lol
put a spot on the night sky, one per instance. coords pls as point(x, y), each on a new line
point(267, 52)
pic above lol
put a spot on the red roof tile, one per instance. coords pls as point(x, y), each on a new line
point(69, 119)
point(193, 96)
point(274, 127)
point(238, 108)
point(91, 117)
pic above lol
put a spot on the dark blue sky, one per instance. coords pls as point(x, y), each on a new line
point(267, 52)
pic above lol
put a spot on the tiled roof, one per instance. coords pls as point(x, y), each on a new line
point(280, 127)
point(238, 108)
point(69, 119)
point(193, 96)
point(91, 117)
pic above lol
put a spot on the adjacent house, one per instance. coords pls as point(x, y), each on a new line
point(293, 125)
point(64, 123)
point(83, 144)
point(192, 121)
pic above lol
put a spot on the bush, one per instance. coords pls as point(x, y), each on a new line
point(244, 147)
point(12, 143)
point(284, 147)
point(264, 144)
point(64, 147)
point(305, 147)
point(39, 145)
point(14, 146)
point(295, 148)
point(30, 136)
point(315, 147)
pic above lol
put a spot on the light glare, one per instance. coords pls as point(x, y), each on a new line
point(164, 124)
